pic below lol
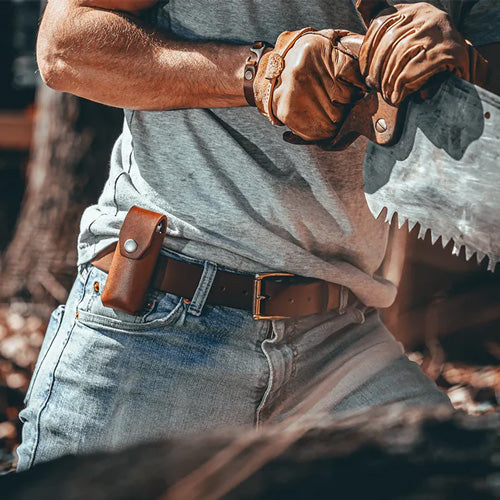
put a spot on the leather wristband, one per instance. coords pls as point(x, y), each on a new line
point(257, 51)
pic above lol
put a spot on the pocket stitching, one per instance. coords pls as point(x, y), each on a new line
point(97, 320)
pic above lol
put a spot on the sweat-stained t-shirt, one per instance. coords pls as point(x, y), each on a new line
point(234, 192)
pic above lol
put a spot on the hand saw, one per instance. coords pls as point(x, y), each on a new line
point(434, 161)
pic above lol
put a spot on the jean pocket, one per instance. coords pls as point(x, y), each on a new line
point(160, 309)
point(50, 335)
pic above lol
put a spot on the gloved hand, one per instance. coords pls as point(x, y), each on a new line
point(407, 44)
point(309, 81)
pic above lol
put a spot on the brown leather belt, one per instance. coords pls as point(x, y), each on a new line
point(266, 295)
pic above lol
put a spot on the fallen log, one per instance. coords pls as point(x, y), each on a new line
point(389, 452)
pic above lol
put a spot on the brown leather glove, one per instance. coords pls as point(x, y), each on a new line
point(309, 81)
point(407, 44)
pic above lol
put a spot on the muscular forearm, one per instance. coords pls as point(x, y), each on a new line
point(110, 57)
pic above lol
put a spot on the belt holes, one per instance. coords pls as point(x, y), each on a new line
point(245, 292)
point(291, 301)
point(96, 286)
point(308, 299)
point(222, 288)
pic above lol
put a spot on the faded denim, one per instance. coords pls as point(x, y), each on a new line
point(105, 379)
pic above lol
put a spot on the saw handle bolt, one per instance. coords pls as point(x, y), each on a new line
point(380, 125)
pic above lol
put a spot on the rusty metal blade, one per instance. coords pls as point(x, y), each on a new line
point(444, 172)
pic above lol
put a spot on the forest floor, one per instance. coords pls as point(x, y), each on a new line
point(472, 387)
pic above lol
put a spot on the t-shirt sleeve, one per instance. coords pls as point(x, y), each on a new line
point(481, 25)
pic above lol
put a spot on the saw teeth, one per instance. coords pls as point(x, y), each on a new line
point(421, 232)
point(401, 221)
point(468, 253)
point(434, 237)
point(389, 215)
point(378, 209)
point(411, 225)
point(444, 240)
point(491, 264)
point(456, 250)
point(381, 212)
point(480, 257)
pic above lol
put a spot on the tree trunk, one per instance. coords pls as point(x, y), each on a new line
point(385, 453)
point(69, 163)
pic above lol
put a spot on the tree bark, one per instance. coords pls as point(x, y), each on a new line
point(391, 452)
point(69, 162)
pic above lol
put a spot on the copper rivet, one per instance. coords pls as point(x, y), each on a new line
point(248, 75)
point(77, 314)
point(186, 301)
point(96, 286)
point(380, 125)
point(487, 115)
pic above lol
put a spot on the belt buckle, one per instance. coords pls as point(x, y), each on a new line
point(258, 297)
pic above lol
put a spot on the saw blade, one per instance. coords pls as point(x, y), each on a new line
point(444, 172)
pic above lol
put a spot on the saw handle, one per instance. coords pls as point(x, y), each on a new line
point(374, 118)
point(371, 116)
point(370, 9)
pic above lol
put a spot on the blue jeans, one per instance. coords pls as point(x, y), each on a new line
point(105, 379)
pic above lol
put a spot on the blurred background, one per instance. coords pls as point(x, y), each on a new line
point(54, 151)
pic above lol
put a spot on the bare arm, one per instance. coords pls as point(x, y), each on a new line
point(98, 49)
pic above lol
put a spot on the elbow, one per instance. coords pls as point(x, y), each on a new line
point(52, 64)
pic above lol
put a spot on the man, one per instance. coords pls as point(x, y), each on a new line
point(239, 201)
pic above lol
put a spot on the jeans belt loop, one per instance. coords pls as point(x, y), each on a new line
point(203, 289)
point(344, 299)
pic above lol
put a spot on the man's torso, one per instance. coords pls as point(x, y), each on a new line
point(234, 192)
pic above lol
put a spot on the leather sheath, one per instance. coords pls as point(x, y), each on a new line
point(131, 269)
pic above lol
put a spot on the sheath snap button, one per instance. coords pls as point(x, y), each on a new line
point(130, 246)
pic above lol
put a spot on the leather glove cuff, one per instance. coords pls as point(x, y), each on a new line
point(272, 66)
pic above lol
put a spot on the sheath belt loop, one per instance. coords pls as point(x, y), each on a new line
point(203, 289)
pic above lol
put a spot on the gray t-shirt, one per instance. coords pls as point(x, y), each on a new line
point(234, 192)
